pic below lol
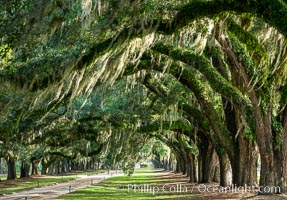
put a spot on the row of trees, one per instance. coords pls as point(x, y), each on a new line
point(101, 79)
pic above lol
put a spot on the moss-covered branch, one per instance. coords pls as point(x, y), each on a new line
point(179, 125)
point(215, 79)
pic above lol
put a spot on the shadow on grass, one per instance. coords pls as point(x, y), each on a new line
point(103, 193)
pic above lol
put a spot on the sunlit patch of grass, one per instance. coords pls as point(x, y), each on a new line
point(116, 188)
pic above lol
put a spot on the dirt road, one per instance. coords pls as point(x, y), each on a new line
point(53, 191)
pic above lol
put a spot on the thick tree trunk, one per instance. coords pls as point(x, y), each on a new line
point(164, 163)
point(170, 164)
point(188, 164)
point(184, 165)
point(216, 174)
point(224, 168)
point(283, 163)
point(11, 165)
point(35, 164)
point(214, 168)
point(246, 163)
point(281, 157)
point(181, 164)
point(177, 169)
point(57, 166)
point(280, 161)
point(44, 169)
point(1, 171)
point(264, 141)
point(63, 166)
point(194, 169)
point(192, 175)
point(51, 169)
point(209, 165)
point(206, 151)
point(44, 166)
point(25, 168)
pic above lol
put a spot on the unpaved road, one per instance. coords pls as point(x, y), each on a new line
point(53, 191)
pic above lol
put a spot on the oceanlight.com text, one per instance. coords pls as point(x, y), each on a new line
point(201, 188)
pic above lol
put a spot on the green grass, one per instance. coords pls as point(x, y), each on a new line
point(116, 188)
point(17, 185)
point(20, 185)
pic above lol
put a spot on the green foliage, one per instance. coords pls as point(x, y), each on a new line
point(242, 54)
point(277, 131)
point(191, 147)
point(7, 60)
point(245, 37)
point(283, 98)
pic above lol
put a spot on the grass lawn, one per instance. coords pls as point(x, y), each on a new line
point(116, 188)
point(39, 181)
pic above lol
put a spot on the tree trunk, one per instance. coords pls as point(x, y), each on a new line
point(264, 140)
point(63, 166)
point(35, 164)
point(216, 174)
point(44, 166)
point(194, 169)
point(246, 163)
point(183, 167)
point(206, 151)
point(242, 164)
point(281, 157)
point(51, 169)
point(25, 168)
point(192, 175)
point(187, 164)
point(283, 163)
point(1, 171)
point(224, 168)
point(11, 165)
point(209, 165)
point(182, 164)
point(57, 166)
point(177, 169)
point(44, 169)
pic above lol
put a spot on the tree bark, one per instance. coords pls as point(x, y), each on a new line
point(224, 168)
point(281, 159)
point(25, 168)
point(264, 141)
point(205, 151)
point(35, 164)
point(11, 165)
point(191, 171)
